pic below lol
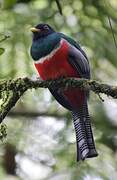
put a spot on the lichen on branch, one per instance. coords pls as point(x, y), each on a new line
point(12, 90)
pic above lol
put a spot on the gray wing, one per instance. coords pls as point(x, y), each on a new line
point(77, 59)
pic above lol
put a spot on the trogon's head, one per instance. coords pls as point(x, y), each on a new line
point(41, 30)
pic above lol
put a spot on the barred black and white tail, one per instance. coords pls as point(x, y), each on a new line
point(84, 136)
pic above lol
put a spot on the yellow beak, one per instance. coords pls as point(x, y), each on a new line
point(33, 29)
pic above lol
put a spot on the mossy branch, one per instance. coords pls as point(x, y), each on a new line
point(12, 90)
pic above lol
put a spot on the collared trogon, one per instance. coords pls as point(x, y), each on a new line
point(56, 55)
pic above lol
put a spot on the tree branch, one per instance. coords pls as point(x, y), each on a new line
point(12, 90)
point(34, 114)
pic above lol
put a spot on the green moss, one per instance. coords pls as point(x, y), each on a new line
point(3, 131)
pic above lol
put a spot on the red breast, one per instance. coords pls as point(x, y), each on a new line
point(56, 64)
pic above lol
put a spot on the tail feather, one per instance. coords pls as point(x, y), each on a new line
point(84, 136)
point(81, 140)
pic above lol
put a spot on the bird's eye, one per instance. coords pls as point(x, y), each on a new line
point(46, 27)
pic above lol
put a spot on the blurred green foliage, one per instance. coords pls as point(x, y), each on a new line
point(2, 51)
point(50, 142)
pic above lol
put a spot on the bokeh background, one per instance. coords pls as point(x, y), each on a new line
point(40, 144)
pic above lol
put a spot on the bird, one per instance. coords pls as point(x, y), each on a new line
point(57, 55)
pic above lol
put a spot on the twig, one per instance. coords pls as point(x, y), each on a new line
point(4, 38)
point(59, 7)
point(113, 35)
point(111, 27)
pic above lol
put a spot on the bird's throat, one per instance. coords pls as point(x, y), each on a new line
point(50, 55)
point(44, 46)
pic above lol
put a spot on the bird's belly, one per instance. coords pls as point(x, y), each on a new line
point(57, 65)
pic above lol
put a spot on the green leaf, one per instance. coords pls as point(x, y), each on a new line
point(2, 50)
